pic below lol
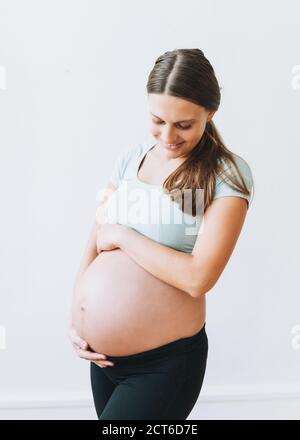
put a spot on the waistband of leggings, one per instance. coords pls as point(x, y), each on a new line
point(174, 346)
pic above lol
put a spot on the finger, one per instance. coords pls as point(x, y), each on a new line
point(99, 365)
point(73, 333)
point(104, 364)
point(89, 355)
point(80, 342)
point(76, 348)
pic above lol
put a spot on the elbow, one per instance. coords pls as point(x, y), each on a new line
point(200, 289)
point(196, 292)
point(203, 278)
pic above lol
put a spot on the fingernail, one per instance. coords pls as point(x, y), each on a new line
point(101, 356)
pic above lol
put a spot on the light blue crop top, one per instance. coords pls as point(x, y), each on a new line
point(145, 208)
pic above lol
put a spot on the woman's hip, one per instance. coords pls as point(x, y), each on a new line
point(184, 356)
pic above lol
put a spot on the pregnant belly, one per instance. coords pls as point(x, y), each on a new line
point(122, 309)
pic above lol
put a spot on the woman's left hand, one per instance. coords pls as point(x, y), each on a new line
point(109, 236)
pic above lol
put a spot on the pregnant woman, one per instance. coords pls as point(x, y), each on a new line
point(160, 241)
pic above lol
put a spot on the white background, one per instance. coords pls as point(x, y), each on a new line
point(72, 97)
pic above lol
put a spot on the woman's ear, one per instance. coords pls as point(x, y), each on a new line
point(210, 115)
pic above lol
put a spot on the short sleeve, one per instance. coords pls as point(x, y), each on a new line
point(223, 189)
point(119, 167)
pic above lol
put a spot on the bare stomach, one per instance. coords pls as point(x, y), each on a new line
point(121, 309)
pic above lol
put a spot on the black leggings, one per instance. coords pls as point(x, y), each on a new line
point(161, 383)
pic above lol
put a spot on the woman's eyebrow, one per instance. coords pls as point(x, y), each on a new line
point(184, 120)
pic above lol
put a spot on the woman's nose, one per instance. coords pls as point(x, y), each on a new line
point(168, 136)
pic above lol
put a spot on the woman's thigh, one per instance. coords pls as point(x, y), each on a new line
point(102, 387)
point(166, 388)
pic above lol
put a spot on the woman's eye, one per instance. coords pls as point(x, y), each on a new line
point(185, 127)
point(182, 127)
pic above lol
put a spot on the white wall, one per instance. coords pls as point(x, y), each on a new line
point(72, 96)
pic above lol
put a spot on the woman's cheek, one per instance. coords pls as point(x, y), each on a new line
point(154, 131)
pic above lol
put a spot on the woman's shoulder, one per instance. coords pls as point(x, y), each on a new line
point(223, 187)
point(136, 151)
point(126, 161)
point(242, 165)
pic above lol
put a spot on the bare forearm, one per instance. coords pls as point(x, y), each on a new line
point(88, 258)
point(89, 255)
point(167, 264)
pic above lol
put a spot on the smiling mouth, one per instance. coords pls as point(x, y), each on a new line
point(173, 146)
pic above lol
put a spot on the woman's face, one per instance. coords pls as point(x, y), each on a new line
point(175, 120)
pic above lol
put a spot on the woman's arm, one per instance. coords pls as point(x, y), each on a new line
point(89, 255)
point(194, 273)
point(165, 263)
point(90, 252)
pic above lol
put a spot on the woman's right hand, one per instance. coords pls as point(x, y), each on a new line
point(81, 348)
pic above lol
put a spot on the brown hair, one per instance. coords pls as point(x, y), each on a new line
point(187, 74)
